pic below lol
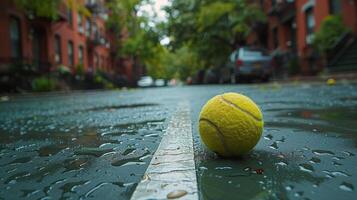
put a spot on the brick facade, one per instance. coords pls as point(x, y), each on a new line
point(48, 44)
point(288, 27)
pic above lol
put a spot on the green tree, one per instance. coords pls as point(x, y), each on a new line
point(186, 62)
point(329, 32)
point(40, 8)
point(137, 38)
point(214, 28)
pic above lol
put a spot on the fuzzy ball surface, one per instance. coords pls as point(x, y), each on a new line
point(230, 124)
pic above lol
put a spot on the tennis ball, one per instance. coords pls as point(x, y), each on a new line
point(230, 124)
point(331, 81)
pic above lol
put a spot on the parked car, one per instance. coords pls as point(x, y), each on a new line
point(146, 81)
point(248, 63)
point(160, 82)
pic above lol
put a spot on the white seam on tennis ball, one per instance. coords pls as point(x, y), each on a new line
point(219, 133)
point(239, 108)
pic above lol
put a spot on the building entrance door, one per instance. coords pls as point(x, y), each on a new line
point(38, 49)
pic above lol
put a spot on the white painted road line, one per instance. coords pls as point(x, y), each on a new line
point(171, 173)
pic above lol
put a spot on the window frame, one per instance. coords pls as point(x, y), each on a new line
point(275, 32)
point(58, 49)
point(335, 7)
point(310, 24)
point(80, 19)
point(70, 50)
point(81, 55)
point(70, 16)
point(96, 60)
point(88, 27)
point(18, 43)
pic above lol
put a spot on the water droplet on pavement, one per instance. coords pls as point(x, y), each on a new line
point(346, 187)
point(323, 152)
point(176, 194)
point(306, 167)
point(315, 160)
point(274, 146)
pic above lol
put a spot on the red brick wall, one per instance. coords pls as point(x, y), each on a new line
point(64, 29)
point(321, 10)
point(103, 52)
point(349, 14)
point(69, 32)
point(7, 11)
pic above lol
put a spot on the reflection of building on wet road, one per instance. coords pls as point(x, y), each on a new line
point(100, 143)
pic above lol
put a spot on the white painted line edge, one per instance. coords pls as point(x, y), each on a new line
point(171, 172)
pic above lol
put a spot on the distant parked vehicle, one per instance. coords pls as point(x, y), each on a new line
point(146, 81)
point(250, 63)
point(159, 82)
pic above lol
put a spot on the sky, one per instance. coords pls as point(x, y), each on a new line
point(155, 9)
point(156, 13)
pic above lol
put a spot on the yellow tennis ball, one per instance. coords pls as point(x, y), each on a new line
point(230, 124)
point(331, 81)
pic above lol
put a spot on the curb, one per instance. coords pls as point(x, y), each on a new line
point(171, 173)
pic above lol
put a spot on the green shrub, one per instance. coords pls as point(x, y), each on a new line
point(43, 84)
point(80, 70)
point(331, 29)
point(98, 78)
point(293, 66)
point(108, 85)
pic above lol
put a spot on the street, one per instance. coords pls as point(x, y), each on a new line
point(89, 144)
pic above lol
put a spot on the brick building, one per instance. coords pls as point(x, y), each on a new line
point(73, 40)
point(291, 25)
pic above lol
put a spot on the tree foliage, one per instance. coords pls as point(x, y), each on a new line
point(186, 62)
point(213, 27)
point(140, 39)
point(202, 33)
point(123, 15)
point(41, 8)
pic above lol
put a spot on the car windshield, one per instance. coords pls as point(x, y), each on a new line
point(254, 52)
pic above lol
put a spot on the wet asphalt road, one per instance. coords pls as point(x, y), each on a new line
point(94, 144)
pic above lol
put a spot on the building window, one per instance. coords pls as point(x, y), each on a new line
point(335, 6)
point(96, 60)
point(95, 30)
point(70, 16)
point(108, 63)
point(88, 27)
point(90, 2)
point(58, 51)
point(70, 53)
point(310, 25)
point(275, 38)
point(102, 62)
point(80, 55)
point(15, 37)
point(80, 23)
